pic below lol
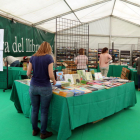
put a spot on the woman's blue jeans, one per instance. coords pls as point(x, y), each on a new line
point(15, 64)
point(40, 98)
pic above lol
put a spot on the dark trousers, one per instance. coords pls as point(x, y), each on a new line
point(138, 81)
point(40, 98)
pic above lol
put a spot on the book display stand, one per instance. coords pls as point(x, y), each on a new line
point(71, 36)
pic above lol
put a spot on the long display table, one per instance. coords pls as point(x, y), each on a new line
point(65, 114)
point(14, 73)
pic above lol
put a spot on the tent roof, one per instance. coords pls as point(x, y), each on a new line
point(42, 13)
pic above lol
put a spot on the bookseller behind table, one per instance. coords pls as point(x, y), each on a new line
point(12, 61)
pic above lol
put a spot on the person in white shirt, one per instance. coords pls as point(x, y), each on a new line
point(12, 61)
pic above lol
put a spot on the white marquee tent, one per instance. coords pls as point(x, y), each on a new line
point(109, 20)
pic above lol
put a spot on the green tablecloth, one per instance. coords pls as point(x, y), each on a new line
point(134, 65)
point(65, 114)
point(114, 70)
point(14, 73)
point(95, 70)
point(59, 68)
point(133, 76)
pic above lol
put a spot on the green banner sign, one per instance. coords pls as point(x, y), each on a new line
point(23, 40)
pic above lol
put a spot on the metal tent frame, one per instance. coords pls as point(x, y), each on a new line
point(18, 19)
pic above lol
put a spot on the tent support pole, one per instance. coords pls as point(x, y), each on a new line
point(110, 32)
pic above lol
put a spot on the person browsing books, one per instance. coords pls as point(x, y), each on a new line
point(104, 61)
point(81, 60)
point(138, 72)
point(134, 63)
point(12, 61)
point(40, 87)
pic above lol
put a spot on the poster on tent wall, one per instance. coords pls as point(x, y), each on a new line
point(23, 40)
point(1, 38)
point(1, 60)
point(1, 48)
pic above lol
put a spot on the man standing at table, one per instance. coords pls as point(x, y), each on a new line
point(12, 61)
point(138, 72)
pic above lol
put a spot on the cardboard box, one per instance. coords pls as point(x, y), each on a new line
point(125, 73)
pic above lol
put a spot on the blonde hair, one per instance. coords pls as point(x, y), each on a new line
point(45, 48)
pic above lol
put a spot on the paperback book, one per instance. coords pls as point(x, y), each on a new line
point(97, 84)
point(69, 87)
point(118, 84)
point(82, 74)
point(90, 83)
point(58, 84)
point(59, 76)
point(84, 89)
point(98, 76)
point(63, 92)
point(89, 76)
point(69, 78)
point(92, 89)
point(99, 87)
point(77, 92)
point(66, 93)
point(76, 78)
point(56, 91)
point(123, 80)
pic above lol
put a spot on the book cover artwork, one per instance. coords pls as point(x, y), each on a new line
point(69, 78)
point(98, 76)
point(76, 78)
point(60, 76)
point(84, 89)
point(82, 74)
point(89, 76)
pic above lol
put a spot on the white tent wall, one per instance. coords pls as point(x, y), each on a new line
point(99, 32)
point(125, 43)
point(123, 28)
point(95, 40)
point(100, 27)
point(115, 30)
